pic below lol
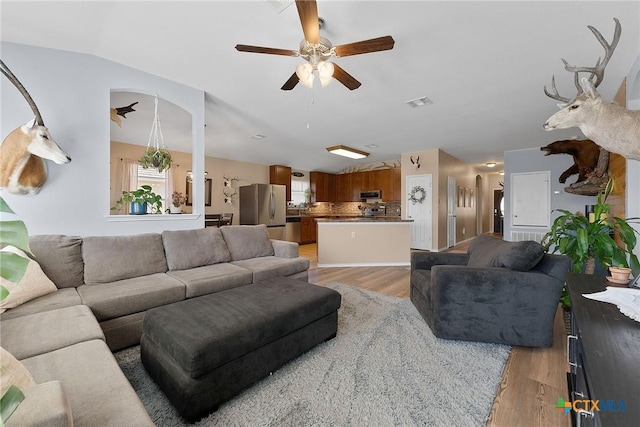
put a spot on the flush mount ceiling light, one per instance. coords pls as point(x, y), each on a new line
point(352, 153)
point(257, 136)
point(491, 164)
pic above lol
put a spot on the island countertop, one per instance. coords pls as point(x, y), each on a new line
point(364, 219)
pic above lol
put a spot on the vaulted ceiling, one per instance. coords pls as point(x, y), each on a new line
point(482, 64)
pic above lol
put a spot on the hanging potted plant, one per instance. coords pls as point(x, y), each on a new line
point(157, 158)
point(156, 155)
point(139, 200)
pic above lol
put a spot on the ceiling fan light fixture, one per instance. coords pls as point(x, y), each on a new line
point(305, 74)
point(343, 150)
point(491, 164)
point(325, 73)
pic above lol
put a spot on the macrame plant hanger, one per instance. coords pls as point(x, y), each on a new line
point(156, 155)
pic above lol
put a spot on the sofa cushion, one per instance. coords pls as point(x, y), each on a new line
point(60, 258)
point(49, 330)
point(44, 404)
point(194, 248)
point(99, 393)
point(111, 258)
point(487, 251)
point(12, 372)
point(130, 296)
point(33, 284)
point(66, 297)
point(247, 241)
point(271, 266)
point(212, 278)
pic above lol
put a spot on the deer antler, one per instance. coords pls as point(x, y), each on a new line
point(13, 79)
point(597, 72)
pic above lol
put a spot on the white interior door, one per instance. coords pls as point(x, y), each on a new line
point(530, 199)
point(451, 211)
point(419, 210)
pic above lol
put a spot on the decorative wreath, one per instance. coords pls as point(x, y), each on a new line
point(417, 195)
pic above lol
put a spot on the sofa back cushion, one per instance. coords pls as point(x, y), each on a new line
point(487, 251)
point(60, 258)
point(111, 258)
point(247, 241)
point(186, 249)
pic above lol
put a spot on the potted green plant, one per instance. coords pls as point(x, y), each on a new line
point(157, 158)
point(589, 239)
point(139, 200)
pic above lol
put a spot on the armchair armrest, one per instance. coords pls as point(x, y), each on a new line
point(425, 260)
point(284, 249)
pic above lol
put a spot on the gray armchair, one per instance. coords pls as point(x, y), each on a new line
point(499, 292)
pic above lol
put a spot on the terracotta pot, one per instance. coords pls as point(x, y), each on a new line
point(620, 273)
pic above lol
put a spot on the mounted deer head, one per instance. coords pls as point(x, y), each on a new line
point(22, 170)
point(609, 125)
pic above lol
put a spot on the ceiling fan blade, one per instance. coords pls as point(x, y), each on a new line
point(268, 50)
point(365, 46)
point(308, 11)
point(291, 83)
point(345, 78)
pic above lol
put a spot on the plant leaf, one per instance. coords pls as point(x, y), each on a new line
point(10, 402)
point(14, 233)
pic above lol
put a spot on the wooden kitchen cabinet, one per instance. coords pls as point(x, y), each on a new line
point(308, 230)
point(357, 179)
point(281, 175)
point(323, 186)
point(383, 181)
point(397, 184)
point(343, 187)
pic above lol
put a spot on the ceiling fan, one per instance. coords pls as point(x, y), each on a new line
point(317, 51)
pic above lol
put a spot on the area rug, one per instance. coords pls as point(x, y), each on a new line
point(384, 368)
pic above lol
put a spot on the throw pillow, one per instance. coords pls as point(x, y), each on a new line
point(34, 283)
point(247, 241)
point(487, 251)
point(12, 372)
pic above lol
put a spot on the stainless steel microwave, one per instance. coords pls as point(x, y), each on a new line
point(371, 194)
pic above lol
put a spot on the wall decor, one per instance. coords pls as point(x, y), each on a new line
point(122, 112)
point(417, 195)
point(467, 197)
point(472, 197)
point(460, 197)
point(612, 127)
point(208, 184)
point(22, 170)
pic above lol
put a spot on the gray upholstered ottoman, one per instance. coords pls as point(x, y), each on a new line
point(205, 350)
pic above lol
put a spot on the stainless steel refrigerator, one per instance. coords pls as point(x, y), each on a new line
point(264, 204)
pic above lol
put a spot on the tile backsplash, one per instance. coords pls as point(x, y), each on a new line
point(344, 208)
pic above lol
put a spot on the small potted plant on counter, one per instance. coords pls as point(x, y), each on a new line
point(138, 201)
point(177, 200)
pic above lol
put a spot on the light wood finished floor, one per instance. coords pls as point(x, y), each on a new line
point(533, 379)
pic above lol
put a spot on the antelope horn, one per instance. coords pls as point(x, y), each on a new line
point(13, 79)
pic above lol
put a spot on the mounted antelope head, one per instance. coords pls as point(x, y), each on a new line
point(22, 170)
point(609, 125)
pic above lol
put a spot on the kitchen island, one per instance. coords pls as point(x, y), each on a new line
point(363, 241)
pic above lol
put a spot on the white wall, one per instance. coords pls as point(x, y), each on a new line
point(72, 92)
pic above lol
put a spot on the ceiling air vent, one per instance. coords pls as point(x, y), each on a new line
point(419, 102)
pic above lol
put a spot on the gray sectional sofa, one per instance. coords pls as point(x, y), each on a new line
point(105, 284)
